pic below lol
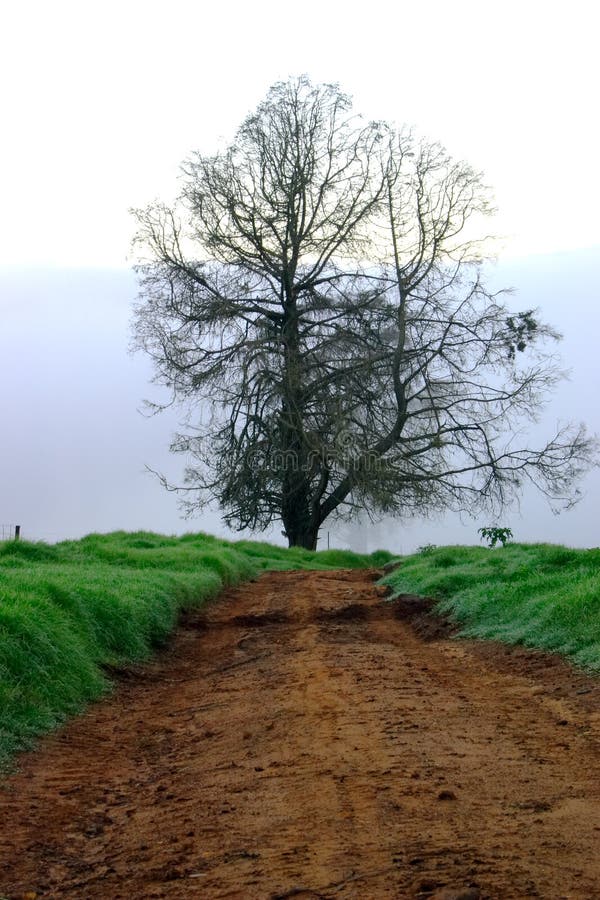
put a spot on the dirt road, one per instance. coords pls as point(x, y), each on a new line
point(305, 739)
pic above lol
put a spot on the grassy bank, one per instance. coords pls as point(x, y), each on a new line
point(540, 595)
point(69, 610)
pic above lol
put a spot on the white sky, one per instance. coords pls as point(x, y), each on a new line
point(102, 101)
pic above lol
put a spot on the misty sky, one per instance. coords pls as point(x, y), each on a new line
point(75, 444)
point(101, 103)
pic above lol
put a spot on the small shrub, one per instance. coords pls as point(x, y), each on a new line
point(493, 533)
point(426, 549)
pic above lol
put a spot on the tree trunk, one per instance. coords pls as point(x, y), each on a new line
point(300, 525)
point(301, 528)
point(305, 539)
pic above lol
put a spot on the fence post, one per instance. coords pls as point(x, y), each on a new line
point(17, 532)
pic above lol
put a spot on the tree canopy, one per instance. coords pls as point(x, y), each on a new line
point(315, 298)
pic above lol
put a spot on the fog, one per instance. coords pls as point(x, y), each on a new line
point(75, 445)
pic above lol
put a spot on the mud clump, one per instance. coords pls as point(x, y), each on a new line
point(260, 620)
point(419, 613)
point(354, 612)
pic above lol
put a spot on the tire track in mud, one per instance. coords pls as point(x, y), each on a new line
point(304, 738)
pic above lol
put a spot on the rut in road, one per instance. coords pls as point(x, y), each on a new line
point(301, 738)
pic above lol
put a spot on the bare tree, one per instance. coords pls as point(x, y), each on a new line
point(317, 301)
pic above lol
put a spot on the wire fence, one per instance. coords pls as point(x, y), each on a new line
point(17, 532)
point(10, 532)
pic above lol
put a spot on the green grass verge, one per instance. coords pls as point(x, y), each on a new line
point(69, 610)
point(539, 595)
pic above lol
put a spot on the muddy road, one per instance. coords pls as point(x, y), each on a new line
point(302, 738)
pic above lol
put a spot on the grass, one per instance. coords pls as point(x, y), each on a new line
point(539, 595)
point(71, 610)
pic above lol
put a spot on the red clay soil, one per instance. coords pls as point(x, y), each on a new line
point(305, 739)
